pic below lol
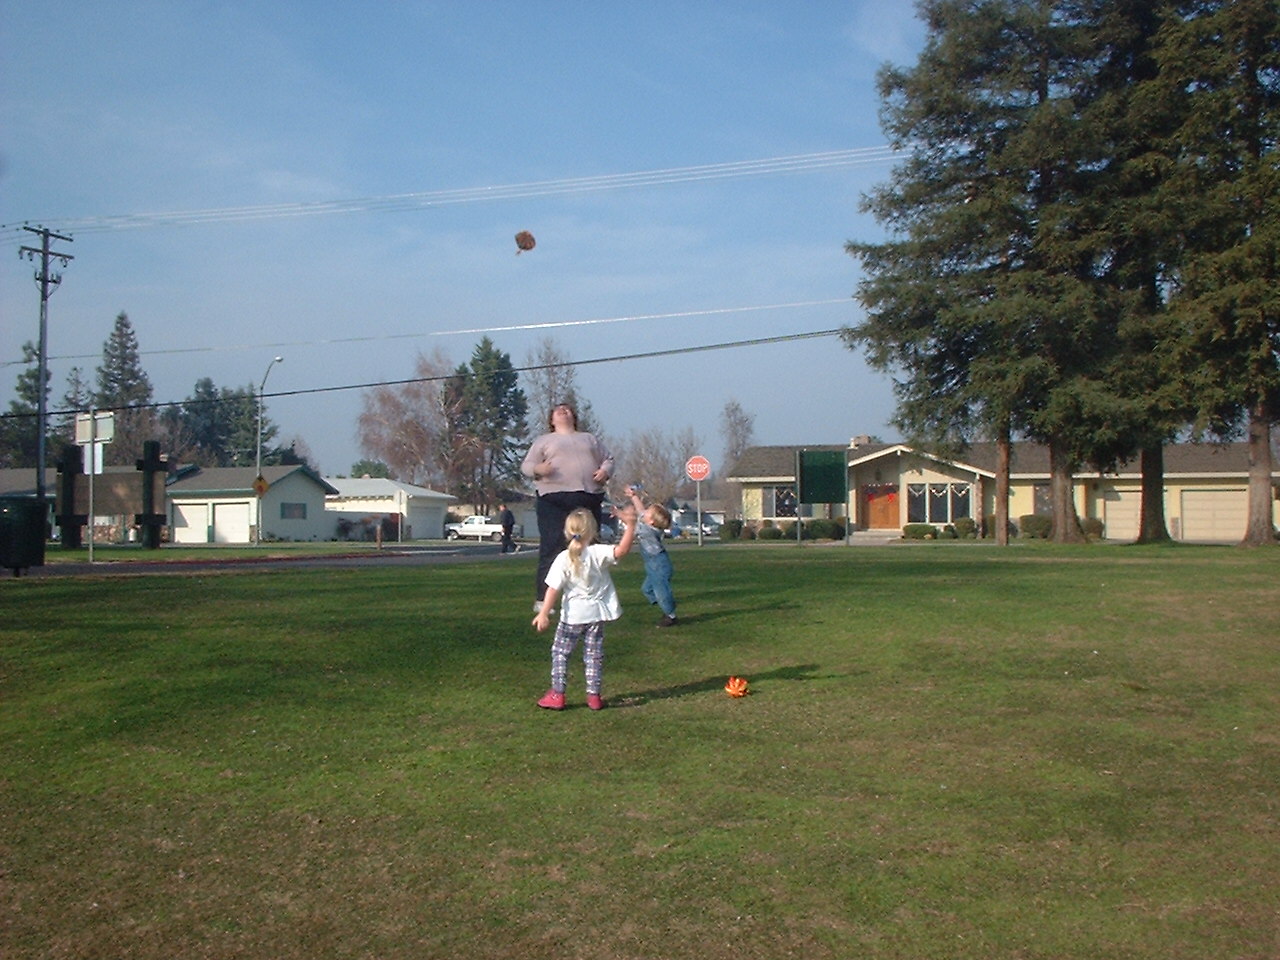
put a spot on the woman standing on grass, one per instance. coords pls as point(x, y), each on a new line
point(580, 575)
point(569, 469)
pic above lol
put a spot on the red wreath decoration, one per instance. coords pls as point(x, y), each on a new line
point(524, 241)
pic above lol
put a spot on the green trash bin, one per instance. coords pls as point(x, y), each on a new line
point(22, 533)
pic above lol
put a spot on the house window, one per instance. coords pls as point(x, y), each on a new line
point(778, 502)
point(938, 502)
point(293, 511)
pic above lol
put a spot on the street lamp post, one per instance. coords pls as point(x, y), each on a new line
point(258, 482)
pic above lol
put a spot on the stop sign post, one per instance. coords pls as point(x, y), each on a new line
point(698, 468)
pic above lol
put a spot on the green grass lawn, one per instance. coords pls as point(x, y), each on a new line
point(949, 751)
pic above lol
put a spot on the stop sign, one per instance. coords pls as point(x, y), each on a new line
point(698, 468)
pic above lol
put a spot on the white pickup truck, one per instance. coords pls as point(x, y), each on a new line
point(480, 527)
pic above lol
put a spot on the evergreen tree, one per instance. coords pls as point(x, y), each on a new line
point(1023, 290)
point(19, 429)
point(121, 379)
point(371, 468)
point(124, 388)
point(489, 424)
point(1221, 61)
point(983, 299)
point(222, 423)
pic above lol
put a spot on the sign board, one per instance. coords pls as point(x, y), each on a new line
point(822, 476)
point(697, 468)
point(260, 486)
point(99, 426)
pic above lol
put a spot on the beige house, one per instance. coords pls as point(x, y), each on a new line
point(892, 484)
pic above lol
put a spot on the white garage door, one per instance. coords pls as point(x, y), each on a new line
point(1214, 514)
point(1121, 514)
point(190, 523)
point(231, 523)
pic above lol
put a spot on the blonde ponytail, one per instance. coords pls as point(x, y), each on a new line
point(580, 531)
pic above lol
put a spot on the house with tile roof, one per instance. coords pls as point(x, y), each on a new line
point(892, 484)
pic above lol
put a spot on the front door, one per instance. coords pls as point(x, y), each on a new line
point(880, 506)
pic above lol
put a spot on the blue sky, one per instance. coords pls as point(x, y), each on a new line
point(127, 108)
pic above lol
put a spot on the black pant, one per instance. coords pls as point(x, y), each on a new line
point(553, 509)
point(507, 543)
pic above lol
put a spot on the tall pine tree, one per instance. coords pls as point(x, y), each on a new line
point(983, 299)
point(486, 425)
point(124, 388)
point(1221, 60)
point(19, 428)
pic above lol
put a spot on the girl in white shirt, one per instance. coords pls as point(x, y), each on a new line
point(581, 574)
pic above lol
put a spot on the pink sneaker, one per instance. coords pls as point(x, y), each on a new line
point(594, 701)
point(552, 700)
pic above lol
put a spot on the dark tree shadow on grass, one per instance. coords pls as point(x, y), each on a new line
point(640, 697)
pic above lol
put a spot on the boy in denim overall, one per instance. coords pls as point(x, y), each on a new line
point(654, 520)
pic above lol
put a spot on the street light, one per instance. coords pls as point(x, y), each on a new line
point(258, 482)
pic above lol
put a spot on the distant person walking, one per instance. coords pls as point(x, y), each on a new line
point(508, 521)
point(569, 469)
point(579, 576)
point(654, 522)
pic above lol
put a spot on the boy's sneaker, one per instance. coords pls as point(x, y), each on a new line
point(594, 701)
point(552, 700)
point(667, 621)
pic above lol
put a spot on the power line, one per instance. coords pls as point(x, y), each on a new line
point(618, 358)
point(799, 163)
point(463, 331)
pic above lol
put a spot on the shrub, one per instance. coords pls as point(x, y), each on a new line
point(920, 531)
point(1035, 526)
point(824, 529)
point(1092, 527)
point(948, 533)
point(966, 528)
point(731, 530)
point(770, 533)
point(747, 532)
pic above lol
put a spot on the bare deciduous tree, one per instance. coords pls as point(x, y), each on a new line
point(551, 380)
point(737, 429)
point(656, 459)
point(406, 427)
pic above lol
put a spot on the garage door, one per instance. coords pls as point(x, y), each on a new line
point(190, 523)
point(1121, 514)
point(1214, 514)
point(231, 523)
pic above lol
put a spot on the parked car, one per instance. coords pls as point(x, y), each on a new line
point(480, 527)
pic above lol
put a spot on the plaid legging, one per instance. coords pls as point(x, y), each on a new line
point(567, 637)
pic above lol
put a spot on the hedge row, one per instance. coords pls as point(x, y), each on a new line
point(816, 529)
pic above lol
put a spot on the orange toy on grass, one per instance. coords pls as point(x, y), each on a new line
point(736, 687)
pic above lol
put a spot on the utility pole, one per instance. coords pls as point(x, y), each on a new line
point(48, 282)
